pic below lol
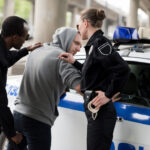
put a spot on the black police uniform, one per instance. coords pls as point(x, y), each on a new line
point(7, 59)
point(104, 70)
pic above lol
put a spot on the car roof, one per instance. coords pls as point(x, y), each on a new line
point(127, 53)
point(136, 56)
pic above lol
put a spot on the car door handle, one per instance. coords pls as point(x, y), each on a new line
point(120, 119)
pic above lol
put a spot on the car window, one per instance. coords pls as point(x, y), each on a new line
point(137, 89)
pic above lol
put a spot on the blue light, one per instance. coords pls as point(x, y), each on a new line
point(125, 33)
point(126, 146)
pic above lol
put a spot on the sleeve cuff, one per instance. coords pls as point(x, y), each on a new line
point(108, 95)
point(75, 83)
point(78, 65)
point(23, 51)
point(11, 134)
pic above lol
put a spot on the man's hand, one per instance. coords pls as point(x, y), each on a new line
point(17, 139)
point(67, 57)
point(100, 99)
point(33, 47)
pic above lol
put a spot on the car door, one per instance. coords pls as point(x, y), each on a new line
point(132, 131)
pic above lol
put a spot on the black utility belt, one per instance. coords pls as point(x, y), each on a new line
point(89, 95)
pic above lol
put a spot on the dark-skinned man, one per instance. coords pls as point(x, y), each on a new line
point(13, 34)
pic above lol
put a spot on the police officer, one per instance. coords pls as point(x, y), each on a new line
point(13, 34)
point(103, 74)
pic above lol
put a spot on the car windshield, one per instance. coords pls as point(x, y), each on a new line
point(137, 89)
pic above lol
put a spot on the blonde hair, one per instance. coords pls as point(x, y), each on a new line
point(94, 16)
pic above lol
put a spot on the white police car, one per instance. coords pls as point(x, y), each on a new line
point(132, 130)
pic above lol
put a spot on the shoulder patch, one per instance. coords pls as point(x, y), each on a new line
point(105, 49)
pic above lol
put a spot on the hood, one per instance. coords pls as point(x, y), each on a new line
point(63, 37)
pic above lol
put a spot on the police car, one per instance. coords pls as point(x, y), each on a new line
point(132, 130)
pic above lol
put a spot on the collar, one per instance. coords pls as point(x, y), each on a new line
point(92, 39)
point(3, 44)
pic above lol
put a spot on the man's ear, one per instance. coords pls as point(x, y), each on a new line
point(14, 37)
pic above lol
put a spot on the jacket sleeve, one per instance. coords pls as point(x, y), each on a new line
point(113, 68)
point(121, 73)
point(6, 118)
point(78, 65)
point(70, 75)
point(14, 56)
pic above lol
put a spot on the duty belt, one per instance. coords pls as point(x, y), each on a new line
point(88, 96)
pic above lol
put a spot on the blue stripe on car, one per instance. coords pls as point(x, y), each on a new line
point(139, 114)
point(126, 111)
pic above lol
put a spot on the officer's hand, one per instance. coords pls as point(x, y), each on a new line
point(115, 97)
point(67, 57)
point(33, 47)
point(18, 138)
point(100, 99)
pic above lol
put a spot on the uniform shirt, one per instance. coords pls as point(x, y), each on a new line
point(103, 69)
point(7, 59)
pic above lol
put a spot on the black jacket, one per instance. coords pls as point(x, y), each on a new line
point(103, 69)
point(7, 59)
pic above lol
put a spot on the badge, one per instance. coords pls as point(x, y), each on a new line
point(105, 49)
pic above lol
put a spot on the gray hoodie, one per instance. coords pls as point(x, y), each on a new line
point(46, 77)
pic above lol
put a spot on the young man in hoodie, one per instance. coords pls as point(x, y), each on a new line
point(44, 81)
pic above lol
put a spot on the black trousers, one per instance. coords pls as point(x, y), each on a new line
point(100, 131)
